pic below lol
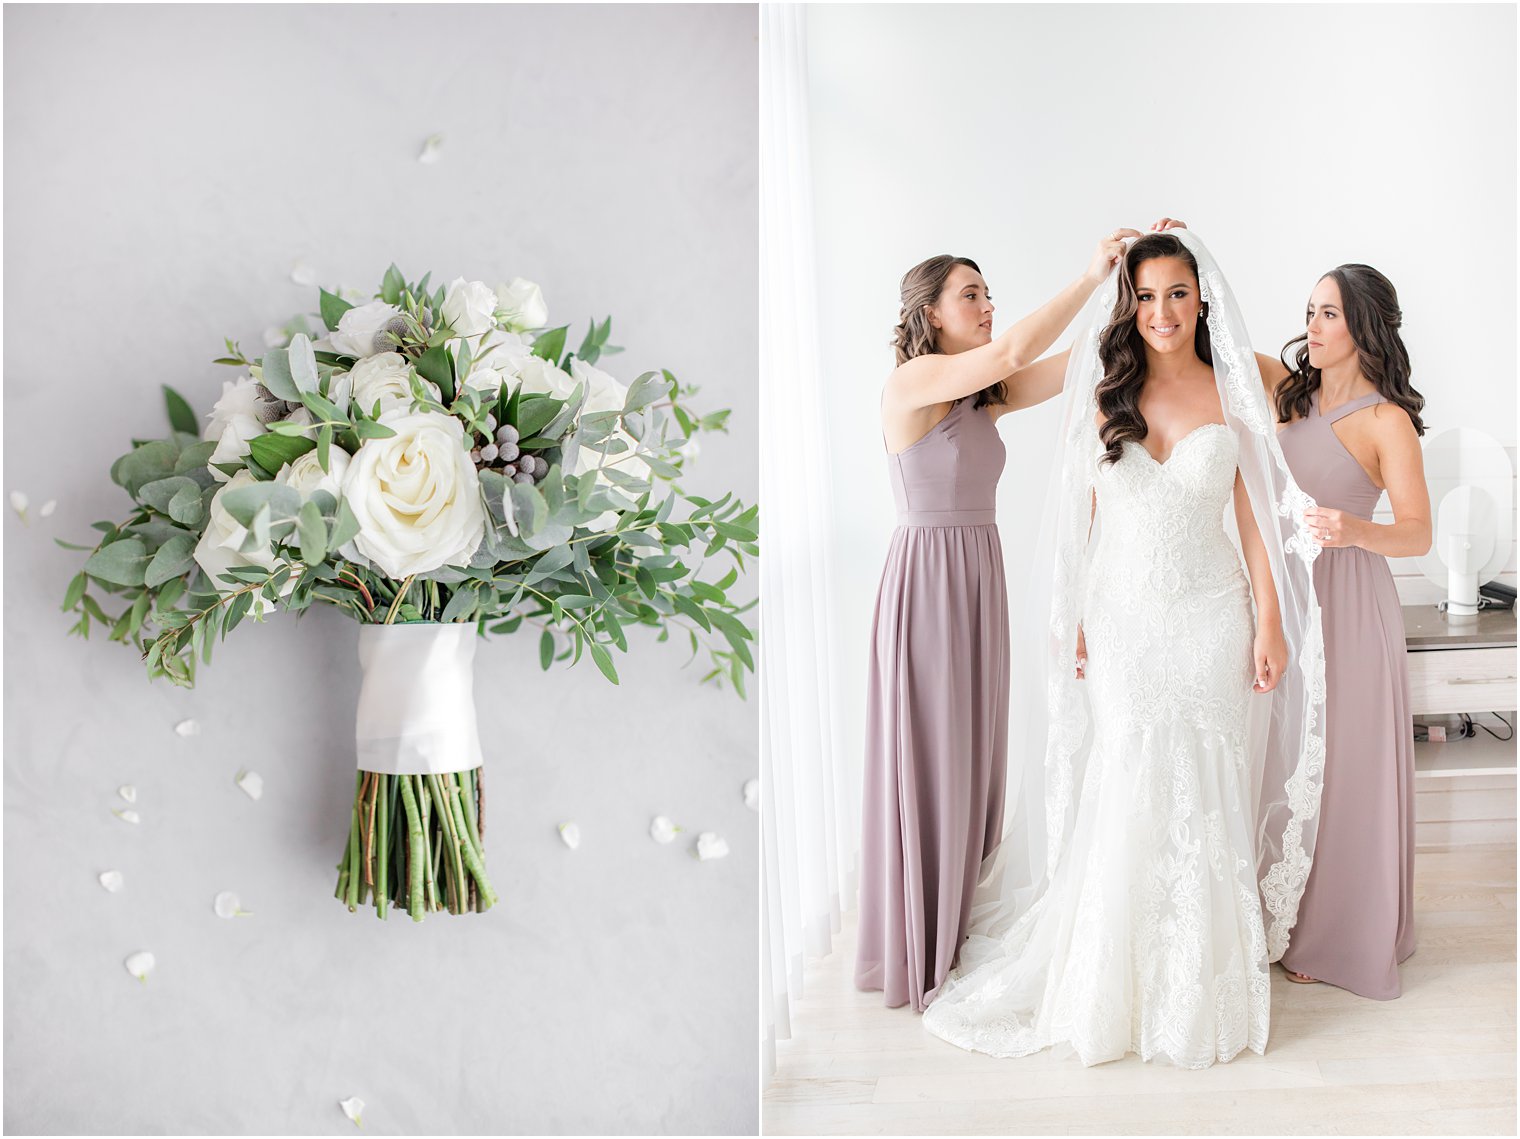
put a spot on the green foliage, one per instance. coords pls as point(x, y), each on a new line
point(606, 542)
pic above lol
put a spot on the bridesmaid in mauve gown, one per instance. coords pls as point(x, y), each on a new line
point(937, 715)
point(1356, 918)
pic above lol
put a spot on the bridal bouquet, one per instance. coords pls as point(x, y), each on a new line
point(437, 466)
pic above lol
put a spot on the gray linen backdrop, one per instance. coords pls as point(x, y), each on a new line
point(164, 169)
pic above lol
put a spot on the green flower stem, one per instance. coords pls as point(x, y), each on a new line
point(414, 847)
point(383, 861)
point(444, 790)
point(390, 616)
point(477, 866)
point(353, 859)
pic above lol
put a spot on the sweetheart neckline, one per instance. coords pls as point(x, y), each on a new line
point(1177, 446)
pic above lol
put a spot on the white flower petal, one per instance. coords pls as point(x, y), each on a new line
point(127, 816)
point(662, 830)
point(303, 274)
point(353, 1107)
point(47, 508)
point(127, 792)
point(112, 881)
point(140, 965)
point(18, 503)
point(430, 148)
point(275, 337)
point(709, 845)
point(252, 784)
point(571, 833)
point(187, 728)
point(752, 794)
point(227, 905)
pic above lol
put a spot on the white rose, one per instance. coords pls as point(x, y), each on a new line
point(217, 551)
point(233, 422)
point(416, 495)
point(387, 378)
point(487, 381)
point(469, 307)
point(540, 377)
point(603, 392)
point(522, 303)
point(355, 334)
point(305, 475)
point(502, 352)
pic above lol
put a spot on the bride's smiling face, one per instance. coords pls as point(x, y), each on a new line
point(1167, 295)
point(962, 316)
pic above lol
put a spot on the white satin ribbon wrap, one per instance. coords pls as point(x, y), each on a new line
point(417, 699)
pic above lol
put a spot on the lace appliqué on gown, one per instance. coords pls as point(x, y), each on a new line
point(1150, 936)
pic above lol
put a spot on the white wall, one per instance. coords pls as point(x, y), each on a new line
point(1291, 138)
point(164, 166)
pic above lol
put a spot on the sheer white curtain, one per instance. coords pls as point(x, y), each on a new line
point(807, 834)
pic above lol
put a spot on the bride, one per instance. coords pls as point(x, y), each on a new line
point(1184, 748)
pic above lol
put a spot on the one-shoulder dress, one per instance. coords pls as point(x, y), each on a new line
point(937, 710)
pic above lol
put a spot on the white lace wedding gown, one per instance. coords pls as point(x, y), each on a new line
point(1149, 936)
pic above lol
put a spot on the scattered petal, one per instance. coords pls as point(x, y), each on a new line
point(187, 728)
point(18, 504)
point(140, 965)
point(430, 148)
point(662, 830)
point(752, 794)
point(275, 337)
point(709, 845)
point(112, 881)
point(571, 833)
point(127, 792)
point(353, 1107)
point(353, 295)
point(303, 274)
point(126, 816)
point(47, 508)
point(252, 783)
point(228, 905)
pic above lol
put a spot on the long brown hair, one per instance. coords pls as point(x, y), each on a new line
point(1370, 308)
point(914, 335)
point(1122, 348)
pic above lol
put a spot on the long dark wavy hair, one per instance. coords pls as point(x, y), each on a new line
point(914, 335)
point(1122, 349)
point(1370, 308)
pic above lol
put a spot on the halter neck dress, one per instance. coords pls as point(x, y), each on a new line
point(937, 710)
point(1356, 917)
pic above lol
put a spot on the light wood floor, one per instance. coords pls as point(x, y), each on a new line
point(1439, 1060)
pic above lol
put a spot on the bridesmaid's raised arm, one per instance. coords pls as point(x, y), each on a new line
point(945, 376)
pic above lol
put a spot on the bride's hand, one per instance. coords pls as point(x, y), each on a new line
point(1270, 653)
point(1108, 253)
point(1167, 223)
point(1081, 655)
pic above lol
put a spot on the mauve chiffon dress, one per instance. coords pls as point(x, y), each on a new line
point(1356, 918)
point(937, 710)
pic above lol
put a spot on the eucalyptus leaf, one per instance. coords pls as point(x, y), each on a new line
point(145, 464)
point(243, 503)
point(173, 559)
point(303, 363)
point(277, 377)
point(312, 529)
point(186, 506)
point(123, 562)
